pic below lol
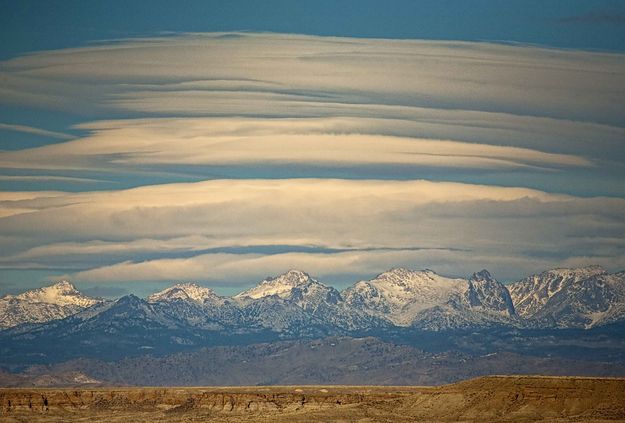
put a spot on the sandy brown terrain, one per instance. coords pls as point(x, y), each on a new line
point(488, 399)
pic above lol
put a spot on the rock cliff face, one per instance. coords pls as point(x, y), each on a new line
point(234, 400)
point(491, 399)
point(489, 295)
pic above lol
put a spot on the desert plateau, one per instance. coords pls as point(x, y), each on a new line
point(486, 399)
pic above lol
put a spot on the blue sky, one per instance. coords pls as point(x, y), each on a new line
point(32, 25)
point(221, 142)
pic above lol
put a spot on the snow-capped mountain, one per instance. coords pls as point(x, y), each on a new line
point(43, 304)
point(61, 293)
point(583, 297)
point(296, 300)
point(198, 306)
point(127, 312)
point(295, 304)
point(294, 287)
point(128, 326)
point(400, 304)
point(280, 286)
point(398, 295)
point(270, 305)
point(427, 300)
point(184, 291)
point(483, 302)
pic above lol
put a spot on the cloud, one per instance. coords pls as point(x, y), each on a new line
point(338, 268)
point(168, 229)
point(263, 109)
point(101, 248)
point(10, 201)
point(247, 268)
point(255, 104)
point(334, 142)
point(273, 74)
point(35, 131)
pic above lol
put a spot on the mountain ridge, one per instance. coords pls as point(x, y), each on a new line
point(295, 303)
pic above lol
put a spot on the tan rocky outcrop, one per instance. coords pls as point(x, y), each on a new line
point(489, 399)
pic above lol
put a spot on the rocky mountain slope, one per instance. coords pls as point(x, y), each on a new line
point(323, 303)
point(564, 298)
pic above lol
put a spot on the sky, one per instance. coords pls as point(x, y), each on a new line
point(147, 143)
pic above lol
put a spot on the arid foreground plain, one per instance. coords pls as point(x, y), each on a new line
point(487, 399)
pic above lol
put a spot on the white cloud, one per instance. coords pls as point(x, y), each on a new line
point(323, 101)
point(343, 267)
point(476, 223)
point(245, 268)
point(245, 101)
point(220, 142)
point(208, 68)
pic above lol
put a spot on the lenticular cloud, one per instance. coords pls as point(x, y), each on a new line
point(214, 156)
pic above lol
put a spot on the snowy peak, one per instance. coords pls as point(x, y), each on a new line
point(43, 304)
point(184, 291)
point(281, 285)
point(399, 272)
point(399, 275)
point(427, 300)
point(403, 283)
point(398, 295)
point(62, 293)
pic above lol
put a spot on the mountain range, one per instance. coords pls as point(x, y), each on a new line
point(295, 304)
point(560, 314)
